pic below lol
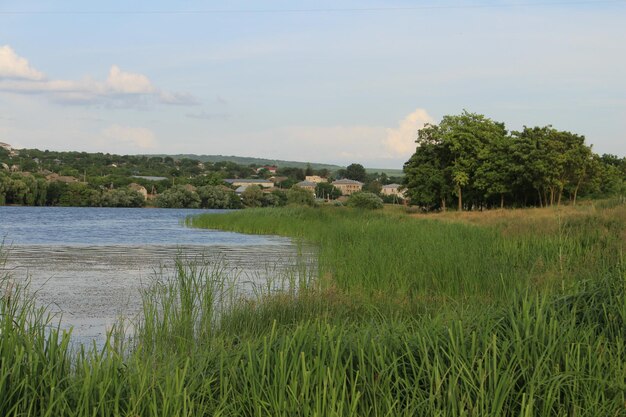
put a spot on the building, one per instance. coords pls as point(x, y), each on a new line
point(307, 185)
point(247, 182)
point(347, 186)
point(270, 168)
point(315, 178)
point(150, 178)
point(392, 189)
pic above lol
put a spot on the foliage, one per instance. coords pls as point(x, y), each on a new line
point(178, 197)
point(365, 200)
point(327, 191)
point(300, 197)
point(216, 197)
point(79, 194)
point(122, 197)
point(355, 172)
point(408, 317)
point(252, 196)
point(280, 198)
point(474, 159)
point(374, 187)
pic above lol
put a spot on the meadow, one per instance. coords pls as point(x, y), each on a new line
point(500, 313)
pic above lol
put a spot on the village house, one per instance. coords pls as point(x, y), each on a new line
point(270, 168)
point(392, 189)
point(347, 186)
point(248, 182)
point(307, 185)
point(315, 178)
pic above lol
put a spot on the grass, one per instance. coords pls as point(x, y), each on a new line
point(406, 317)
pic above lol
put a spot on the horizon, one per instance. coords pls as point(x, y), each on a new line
point(325, 83)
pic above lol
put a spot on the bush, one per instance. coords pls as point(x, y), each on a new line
point(178, 197)
point(300, 196)
point(365, 200)
point(122, 198)
point(252, 196)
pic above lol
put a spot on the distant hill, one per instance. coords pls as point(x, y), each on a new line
point(246, 160)
point(391, 172)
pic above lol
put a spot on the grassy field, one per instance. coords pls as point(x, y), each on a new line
point(503, 313)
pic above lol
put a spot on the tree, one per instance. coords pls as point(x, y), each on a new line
point(178, 197)
point(327, 191)
point(427, 173)
point(373, 187)
point(252, 196)
point(365, 200)
point(308, 170)
point(355, 172)
point(466, 136)
point(280, 197)
point(121, 197)
point(300, 196)
point(493, 175)
point(214, 197)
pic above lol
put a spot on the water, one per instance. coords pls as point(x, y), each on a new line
point(87, 265)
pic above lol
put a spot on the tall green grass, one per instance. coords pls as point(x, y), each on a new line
point(333, 348)
point(404, 258)
point(539, 356)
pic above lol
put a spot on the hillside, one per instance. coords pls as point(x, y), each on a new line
point(246, 160)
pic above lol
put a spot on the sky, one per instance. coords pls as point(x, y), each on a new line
point(319, 81)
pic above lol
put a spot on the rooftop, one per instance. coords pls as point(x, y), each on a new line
point(247, 181)
point(347, 181)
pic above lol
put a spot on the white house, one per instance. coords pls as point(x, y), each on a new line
point(392, 189)
point(347, 186)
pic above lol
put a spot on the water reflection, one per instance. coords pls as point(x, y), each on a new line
point(88, 264)
point(92, 286)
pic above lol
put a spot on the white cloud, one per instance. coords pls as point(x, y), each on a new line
point(14, 66)
point(401, 140)
point(128, 82)
point(375, 146)
point(126, 137)
point(120, 89)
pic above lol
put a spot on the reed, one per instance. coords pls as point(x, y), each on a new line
point(549, 340)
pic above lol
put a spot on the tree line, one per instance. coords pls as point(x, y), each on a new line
point(102, 180)
point(474, 161)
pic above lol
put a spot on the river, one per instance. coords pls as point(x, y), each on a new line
point(87, 265)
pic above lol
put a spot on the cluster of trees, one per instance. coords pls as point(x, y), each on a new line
point(477, 162)
point(30, 190)
point(83, 164)
point(221, 197)
point(103, 180)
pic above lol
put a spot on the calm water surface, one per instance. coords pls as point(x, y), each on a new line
point(88, 264)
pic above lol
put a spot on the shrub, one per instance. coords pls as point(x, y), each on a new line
point(365, 200)
point(178, 197)
point(300, 196)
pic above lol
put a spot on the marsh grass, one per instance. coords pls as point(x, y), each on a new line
point(405, 260)
point(337, 345)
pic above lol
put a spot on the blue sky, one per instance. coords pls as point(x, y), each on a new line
point(336, 82)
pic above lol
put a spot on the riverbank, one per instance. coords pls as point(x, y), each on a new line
point(404, 316)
